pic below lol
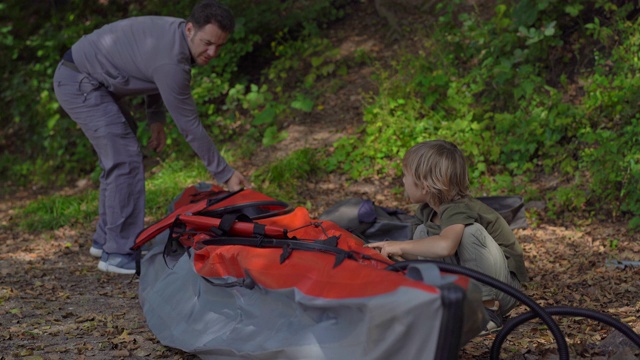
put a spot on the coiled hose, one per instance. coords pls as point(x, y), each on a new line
point(510, 325)
point(537, 311)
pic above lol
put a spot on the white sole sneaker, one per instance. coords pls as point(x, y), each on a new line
point(103, 266)
point(95, 252)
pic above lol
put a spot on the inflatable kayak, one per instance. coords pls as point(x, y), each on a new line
point(243, 275)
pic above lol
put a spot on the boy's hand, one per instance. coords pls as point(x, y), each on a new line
point(389, 249)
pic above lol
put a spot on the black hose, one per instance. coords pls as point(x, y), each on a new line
point(536, 310)
point(510, 325)
point(561, 342)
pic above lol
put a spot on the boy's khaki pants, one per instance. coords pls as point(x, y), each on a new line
point(480, 252)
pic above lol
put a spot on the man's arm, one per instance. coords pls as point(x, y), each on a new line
point(174, 85)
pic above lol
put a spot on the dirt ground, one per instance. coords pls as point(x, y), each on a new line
point(55, 304)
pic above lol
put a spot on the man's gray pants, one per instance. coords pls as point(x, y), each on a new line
point(480, 252)
point(122, 194)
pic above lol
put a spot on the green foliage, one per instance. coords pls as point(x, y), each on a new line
point(80, 210)
point(417, 103)
point(48, 145)
point(45, 147)
point(566, 200)
point(506, 89)
point(526, 89)
point(300, 58)
point(169, 181)
point(282, 178)
point(57, 211)
point(611, 151)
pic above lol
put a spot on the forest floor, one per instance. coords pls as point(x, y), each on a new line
point(55, 304)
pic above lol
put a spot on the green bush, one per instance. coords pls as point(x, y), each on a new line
point(508, 88)
point(45, 147)
point(527, 89)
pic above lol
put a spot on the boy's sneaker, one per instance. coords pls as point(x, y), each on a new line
point(96, 250)
point(495, 322)
point(117, 263)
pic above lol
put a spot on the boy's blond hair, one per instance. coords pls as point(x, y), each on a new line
point(439, 167)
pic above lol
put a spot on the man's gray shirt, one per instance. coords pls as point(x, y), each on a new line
point(149, 55)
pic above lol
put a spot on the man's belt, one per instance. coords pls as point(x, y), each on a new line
point(70, 65)
point(67, 60)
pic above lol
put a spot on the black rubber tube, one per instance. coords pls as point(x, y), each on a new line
point(561, 342)
point(513, 323)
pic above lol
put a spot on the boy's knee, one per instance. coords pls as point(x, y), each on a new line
point(475, 234)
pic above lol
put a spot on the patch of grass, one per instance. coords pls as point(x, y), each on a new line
point(169, 182)
point(55, 211)
point(280, 179)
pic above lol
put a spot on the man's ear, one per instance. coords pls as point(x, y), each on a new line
point(189, 29)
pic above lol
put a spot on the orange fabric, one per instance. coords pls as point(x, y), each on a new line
point(193, 201)
point(311, 272)
point(154, 230)
point(204, 223)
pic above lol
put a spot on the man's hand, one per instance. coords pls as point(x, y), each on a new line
point(237, 182)
point(158, 137)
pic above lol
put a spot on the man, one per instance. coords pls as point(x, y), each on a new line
point(150, 56)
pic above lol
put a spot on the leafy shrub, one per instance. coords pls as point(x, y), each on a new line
point(46, 147)
point(507, 88)
point(525, 88)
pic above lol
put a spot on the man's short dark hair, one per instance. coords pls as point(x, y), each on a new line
point(212, 12)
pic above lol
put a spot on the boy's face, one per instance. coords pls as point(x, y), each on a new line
point(412, 190)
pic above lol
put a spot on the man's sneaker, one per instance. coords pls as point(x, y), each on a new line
point(117, 263)
point(96, 250)
point(495, 322)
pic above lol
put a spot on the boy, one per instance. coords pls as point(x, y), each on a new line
point(457, 228)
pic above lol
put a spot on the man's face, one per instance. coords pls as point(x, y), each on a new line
point(416, 194)
point(205, 43)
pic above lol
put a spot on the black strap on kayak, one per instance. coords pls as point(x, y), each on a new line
point(227, 221)
point(218, 199)
point(173, 248)
point(287, 245)
point(250, 208)
point(138, 257)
